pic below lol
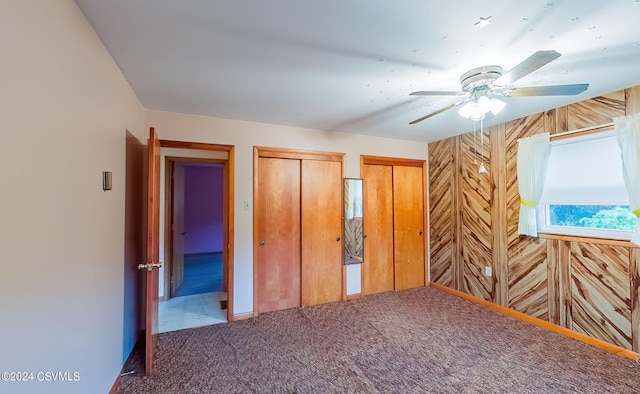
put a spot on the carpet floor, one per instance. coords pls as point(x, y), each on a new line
point(421, 340)
point(202, 274)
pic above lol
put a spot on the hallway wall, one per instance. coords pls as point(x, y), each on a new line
point(203, 205)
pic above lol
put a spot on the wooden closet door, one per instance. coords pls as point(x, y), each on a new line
point(377, 269)
point(321, 231)
point(278, 274)
point(408, 214)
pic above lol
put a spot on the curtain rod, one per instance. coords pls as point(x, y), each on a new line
point(600, 126)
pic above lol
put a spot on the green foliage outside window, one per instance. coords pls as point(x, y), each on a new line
point(614, 217)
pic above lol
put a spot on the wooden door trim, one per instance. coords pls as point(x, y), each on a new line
point(425, 224)
point(284, 153)
point(152, 244)
point(229, 195)
point(391, 161)
point(169, 164)
point(256, 156)
point(168, 235)
point(187, 160)
point(195, 145)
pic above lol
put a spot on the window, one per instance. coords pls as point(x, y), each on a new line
point(584, 192)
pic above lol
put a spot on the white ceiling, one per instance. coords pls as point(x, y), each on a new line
point(349, 65)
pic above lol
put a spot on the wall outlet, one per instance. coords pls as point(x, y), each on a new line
point(246, 205)
point(487, 271)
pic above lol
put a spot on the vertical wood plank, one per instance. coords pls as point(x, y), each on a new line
point(442, 212)
point(475, 211)
point(458, 273)
point(498, 174)
point(566, 301)
point(600, 290)
point(634, 279)
point(562, 120)
point(632, 97)
point(553, 281)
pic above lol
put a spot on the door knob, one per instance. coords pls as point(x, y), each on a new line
point(261, 243)
point(420, 232)
point(338, 239)
point(149, 266)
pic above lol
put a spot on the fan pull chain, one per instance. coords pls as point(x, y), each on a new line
point(482, 169)
point(481, 138)
point(475, 143)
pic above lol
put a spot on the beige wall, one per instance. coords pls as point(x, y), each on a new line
point(65, 109)
point(244, 136)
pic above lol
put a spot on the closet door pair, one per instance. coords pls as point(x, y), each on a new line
point(394, 224)
point(298, 225)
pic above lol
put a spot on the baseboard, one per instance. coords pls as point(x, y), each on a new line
point(136, 348)
point(243, 316)
point(543, 323)
point(199, 254)
point(116, 384)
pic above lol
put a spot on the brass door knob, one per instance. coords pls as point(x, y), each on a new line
point(149, 266)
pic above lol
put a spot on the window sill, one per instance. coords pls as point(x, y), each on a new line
point(589, 240)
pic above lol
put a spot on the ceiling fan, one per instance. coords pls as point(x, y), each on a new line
point(480, 84)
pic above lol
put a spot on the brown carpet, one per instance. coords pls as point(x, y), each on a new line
point(414, 341)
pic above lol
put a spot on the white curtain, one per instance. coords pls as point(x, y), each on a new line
point(628, 134)
point(533, 153)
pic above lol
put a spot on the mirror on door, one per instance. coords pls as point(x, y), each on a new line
point(353, 228)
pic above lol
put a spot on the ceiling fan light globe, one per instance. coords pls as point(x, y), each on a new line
point(496, 106)
point(465, 110)
point(472, 110)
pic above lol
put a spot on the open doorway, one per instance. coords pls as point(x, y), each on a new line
point(195, 234)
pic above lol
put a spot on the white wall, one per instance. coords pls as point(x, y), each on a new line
point(64, 111)
point(244, 135)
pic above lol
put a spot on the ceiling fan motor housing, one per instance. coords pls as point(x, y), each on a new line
point(481, 77)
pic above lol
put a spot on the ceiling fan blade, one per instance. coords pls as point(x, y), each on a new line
point(555, 90)
point(437, 93)
point(448, 107)
point(529, 65)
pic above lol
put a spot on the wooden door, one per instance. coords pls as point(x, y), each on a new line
point(278, 270)
point(377, 270)
point(153, 250)
point(321, 231)
point(408, 234)
point(177, 228)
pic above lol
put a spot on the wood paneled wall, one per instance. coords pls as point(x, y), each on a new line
point(442, 226)
point(588, 285)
